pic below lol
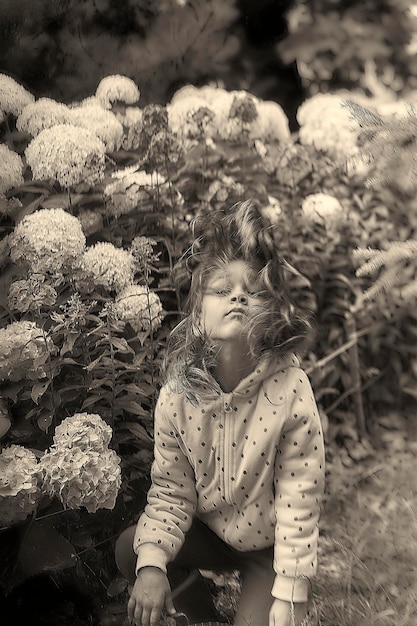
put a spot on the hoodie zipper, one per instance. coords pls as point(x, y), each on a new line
point(227, 448)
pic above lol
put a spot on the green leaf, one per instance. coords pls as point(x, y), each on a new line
point(122, 346)
point(5, 424)
point(116, 587)
point(138, 430)
point(69, 342)
point(100, 382)
point(12, 390)
point(131, 407)
point(44, 421)
point(43, 549)
point(38, 390)
point(62, 200)
point(90, 401)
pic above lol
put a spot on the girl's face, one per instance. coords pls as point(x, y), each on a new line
point(231, 295)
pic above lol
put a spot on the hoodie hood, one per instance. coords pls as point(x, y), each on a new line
point(249, 386)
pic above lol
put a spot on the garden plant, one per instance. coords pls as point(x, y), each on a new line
point(97, 198)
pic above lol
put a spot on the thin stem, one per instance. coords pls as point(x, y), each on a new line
point(350, 326)
point(167, 167)
point(113, 369)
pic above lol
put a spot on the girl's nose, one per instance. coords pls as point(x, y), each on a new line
point(240, 297)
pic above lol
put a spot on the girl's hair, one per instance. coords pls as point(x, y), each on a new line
point(275, 327)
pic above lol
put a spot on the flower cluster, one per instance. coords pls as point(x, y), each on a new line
point(139, 307)
point(224, 189)
point(67, 154)
point(91, 221)
point(42, 114)
point(13, 97)
point(101, 122)
point(73, 312)
point(326, 124)
point(213, 112)
point(104, 265)
point(117, 88)
point(322, 208)
point(132, 189)
point(131, 119)
point(19, 484)
point(191, 119)
point(271, 123)
point(86, 431)
point(11, 172)
point(31, 294)
point(25, 351)
point(49, 240)
point(235, 112)
point(142, 250)
point(79, 468)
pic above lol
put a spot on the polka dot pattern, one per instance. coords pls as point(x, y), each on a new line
point(249, 464)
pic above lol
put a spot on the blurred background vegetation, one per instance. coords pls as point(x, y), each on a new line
point(278, 50)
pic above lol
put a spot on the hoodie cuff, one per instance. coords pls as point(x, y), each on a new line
point(290, 589)
point(151, 555)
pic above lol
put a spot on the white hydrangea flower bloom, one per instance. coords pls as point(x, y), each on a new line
point(191, 119)
point(25, 350)
point(19, 484)
point(13, 97)
point(208, 93)
point(235, 113)
point(271, 124)
point(140, 307)
point(87, 101)
point(117, 88)
point(49, 240)
point(322, 208)
point(82, 477)
point(101, 122)
point(68, 154)
point(31, 294)
point(85, 431)
point(11, 171)
point(104, 265)
point(44, 113)
point(327, 124)
point(130, 188)
point(132, 121)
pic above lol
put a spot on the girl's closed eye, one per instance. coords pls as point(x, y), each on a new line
point(256, 293)
point(222, 291)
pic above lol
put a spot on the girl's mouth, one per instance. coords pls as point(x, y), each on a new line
point(236, 311)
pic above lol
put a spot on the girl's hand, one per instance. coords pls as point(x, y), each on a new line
point(150, 594)
point(281, 613)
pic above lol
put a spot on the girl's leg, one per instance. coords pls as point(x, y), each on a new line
point(256, 599)
point(201, 550)
point(124, 555)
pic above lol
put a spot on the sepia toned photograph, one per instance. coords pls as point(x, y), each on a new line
point(208, 312)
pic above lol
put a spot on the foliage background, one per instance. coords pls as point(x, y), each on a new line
point(363, 364)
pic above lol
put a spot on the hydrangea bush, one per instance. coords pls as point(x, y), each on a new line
point(95, 225)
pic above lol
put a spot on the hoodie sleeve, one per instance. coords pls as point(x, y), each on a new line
point(172, 496)
point(299, 486)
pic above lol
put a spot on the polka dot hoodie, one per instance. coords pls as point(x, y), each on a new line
point(249, 464)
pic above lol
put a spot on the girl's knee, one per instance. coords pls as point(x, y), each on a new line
point(124, 555)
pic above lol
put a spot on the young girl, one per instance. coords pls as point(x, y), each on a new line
point(237, 477)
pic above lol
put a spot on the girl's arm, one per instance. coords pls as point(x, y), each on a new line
point(172, 496)
point(299, 485)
